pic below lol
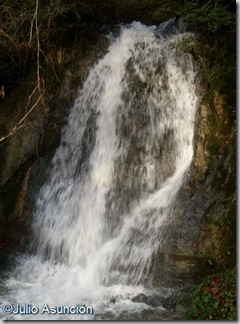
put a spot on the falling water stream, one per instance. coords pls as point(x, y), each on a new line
point(123, 157)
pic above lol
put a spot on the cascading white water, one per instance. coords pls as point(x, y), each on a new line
point(122, 160)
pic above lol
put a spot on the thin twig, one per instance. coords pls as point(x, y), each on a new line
point(52, 66)
point(20, 123)
point(40, 82)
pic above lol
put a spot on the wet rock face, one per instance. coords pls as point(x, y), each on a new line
point(136, 126)
point(165, 298)
point(42, 131)
point(173, 302)
point(203, 233)
point(201, 152)
point(213, 190)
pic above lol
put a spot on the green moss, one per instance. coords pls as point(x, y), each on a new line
point(215, 140)
point(215, 25)
point(188, 44)
point(222, 129)
point(228, 218)
point(214, 298)
point(165, 12)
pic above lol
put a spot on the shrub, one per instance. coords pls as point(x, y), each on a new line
point(214, 298)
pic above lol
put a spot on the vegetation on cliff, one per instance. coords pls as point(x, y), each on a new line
point(27, 26)
point(31, 30)
point(214, 298)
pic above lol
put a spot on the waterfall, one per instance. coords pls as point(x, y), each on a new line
point(123, 157)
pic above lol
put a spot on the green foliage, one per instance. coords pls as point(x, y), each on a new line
point(215, 298)
point(214, 21)
point(225, 221)
point(210, 17)
point(153, 11)
point(187, 44)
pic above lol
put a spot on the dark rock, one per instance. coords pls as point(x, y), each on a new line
point(165, 298)
point(141, 298)
point(113, 300)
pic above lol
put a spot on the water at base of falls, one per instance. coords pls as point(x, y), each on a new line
point(123, 157)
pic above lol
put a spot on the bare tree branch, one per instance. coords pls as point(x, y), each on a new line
point(40, 82)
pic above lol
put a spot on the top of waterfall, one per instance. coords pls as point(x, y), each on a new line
point(168, 27)
point(138, 26)
point(164, 29)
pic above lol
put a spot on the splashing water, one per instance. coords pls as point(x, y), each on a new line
point(123, 157)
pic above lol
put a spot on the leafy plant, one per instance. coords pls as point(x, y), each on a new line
point(214, 21)
point(215, 298)
point(210, 17)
